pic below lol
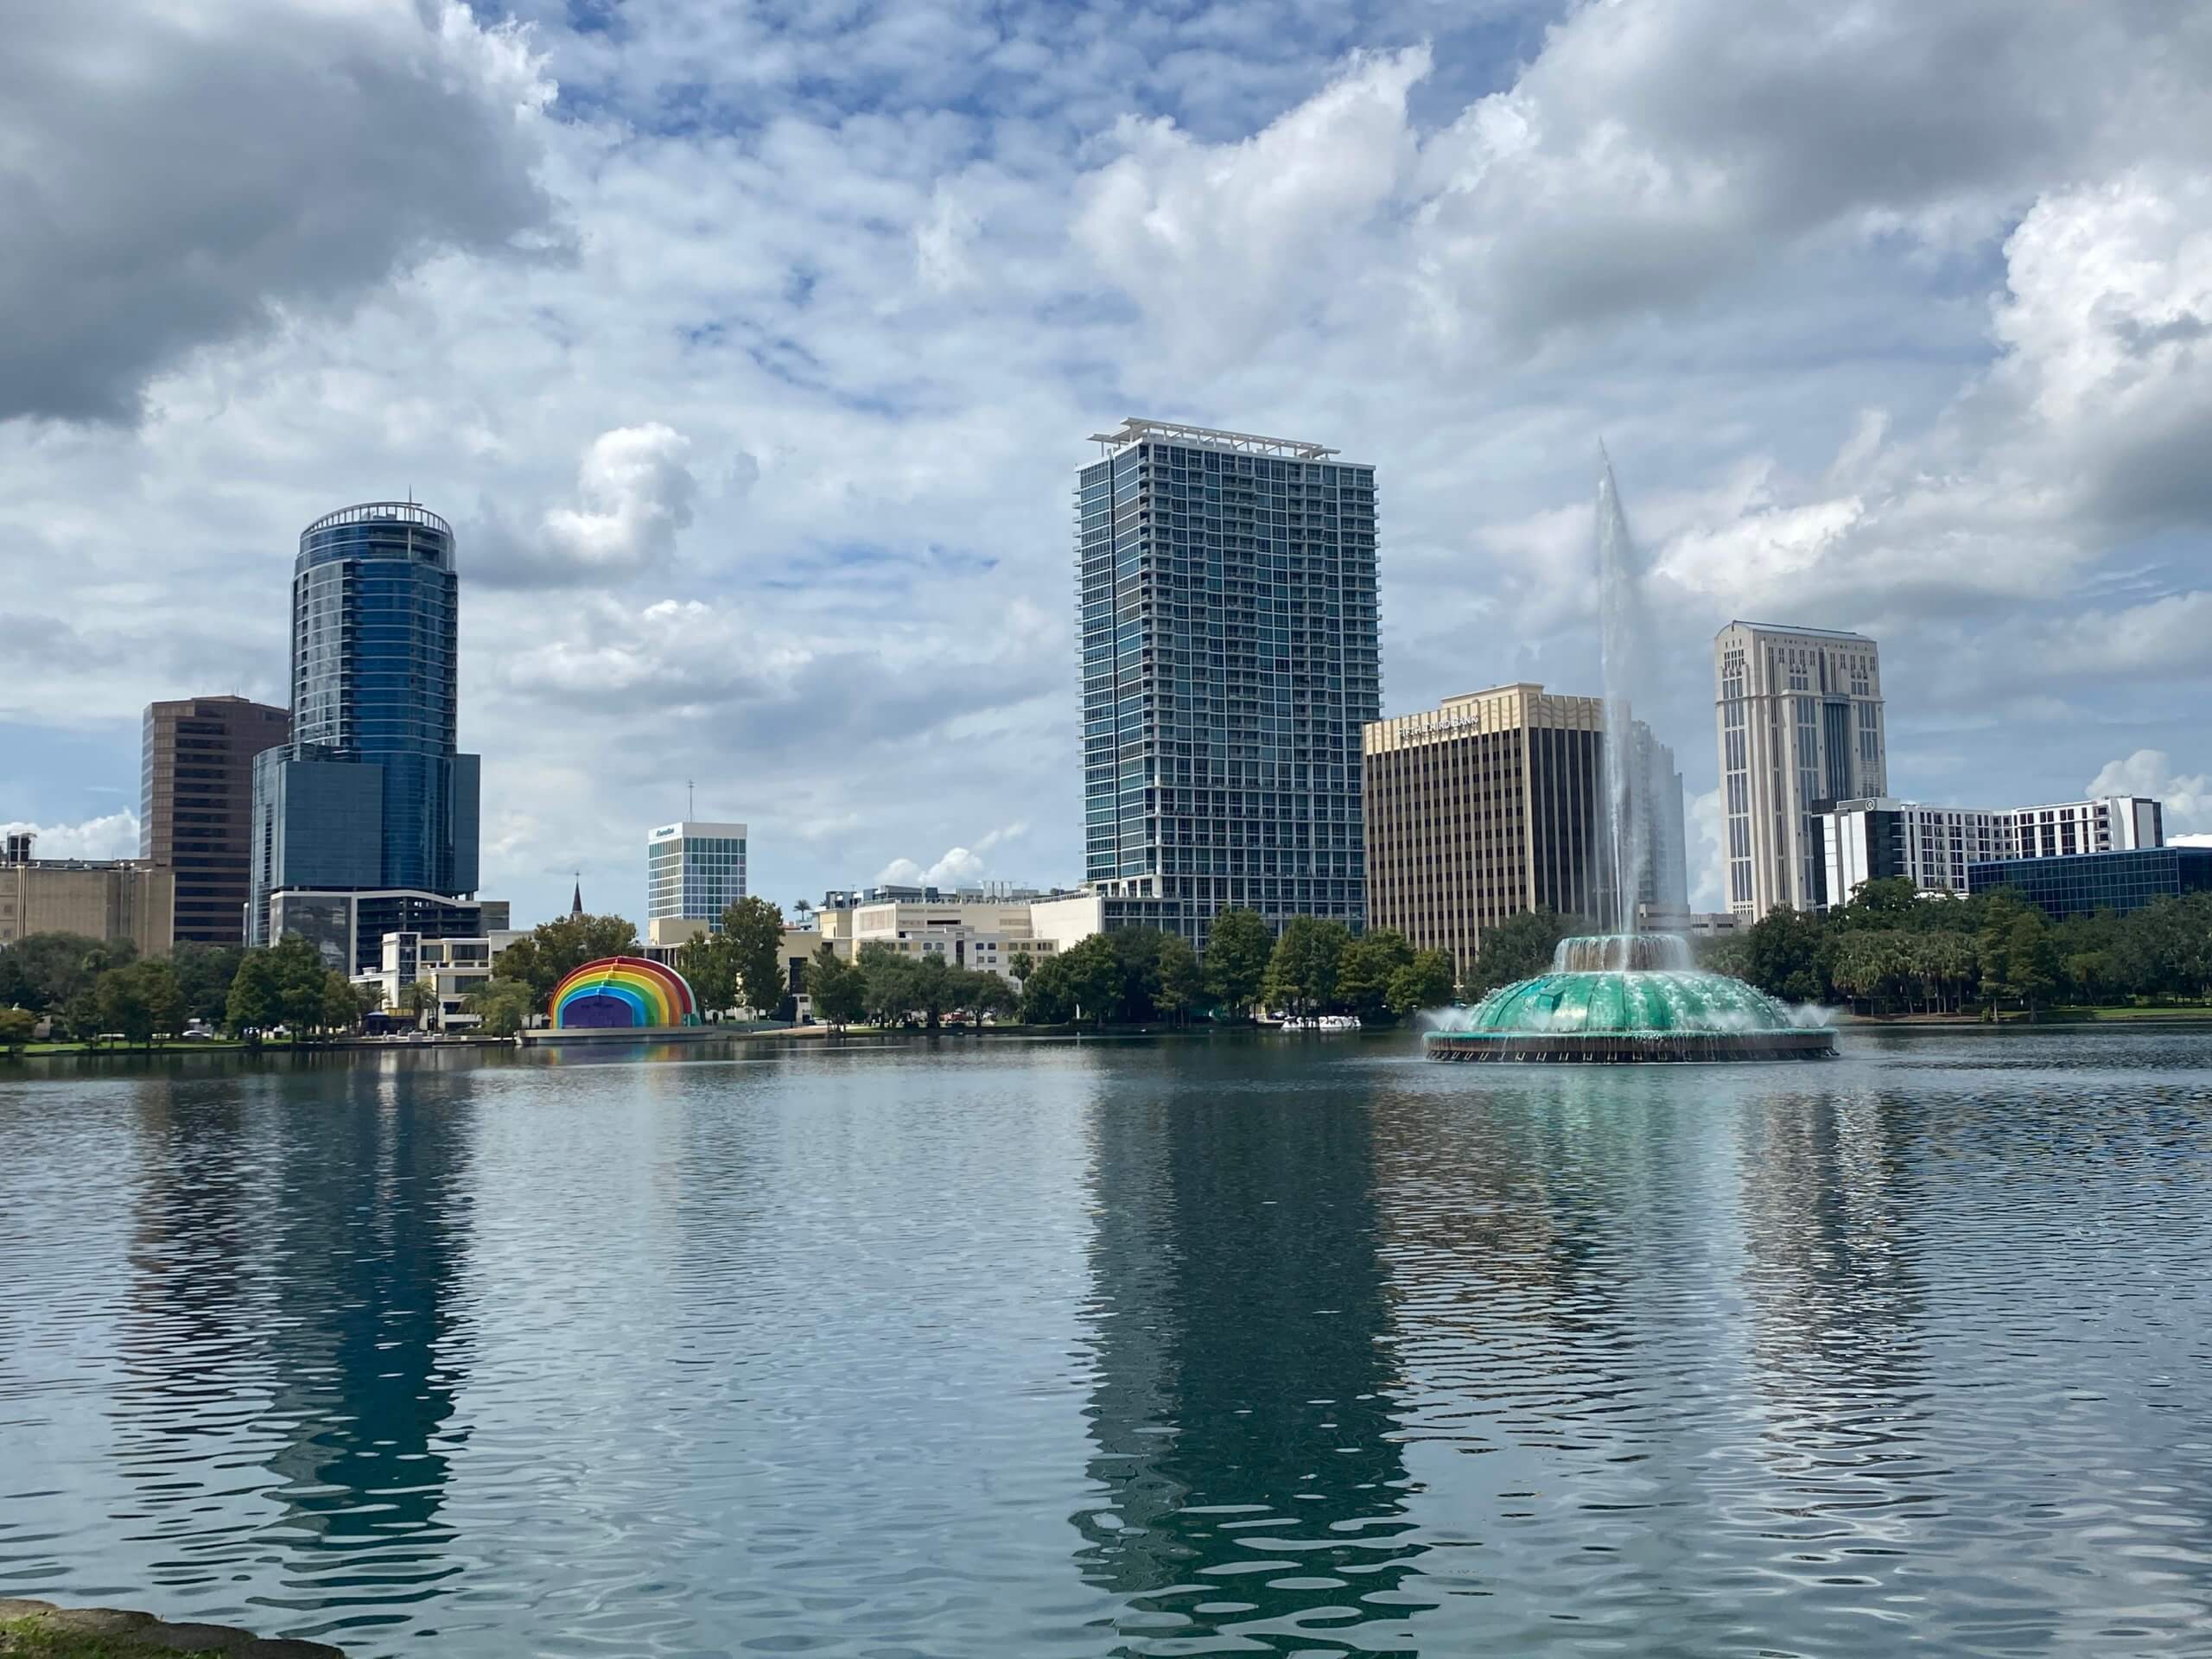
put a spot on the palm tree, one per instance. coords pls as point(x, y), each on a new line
point(803, 909)
point(416, 997)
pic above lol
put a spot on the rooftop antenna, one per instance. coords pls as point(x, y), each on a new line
point(690, 801)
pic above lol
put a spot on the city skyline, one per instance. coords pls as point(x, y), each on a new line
point(757, 411)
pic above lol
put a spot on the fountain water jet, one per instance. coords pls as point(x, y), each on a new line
point(1626, 996)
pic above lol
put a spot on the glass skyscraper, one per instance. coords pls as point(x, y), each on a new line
point(370, 792)
point(1230, 658)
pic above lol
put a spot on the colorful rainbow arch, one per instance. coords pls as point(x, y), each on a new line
point(623, 992)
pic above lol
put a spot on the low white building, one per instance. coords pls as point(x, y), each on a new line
point(1931, 846)
point(452, 968)
point(980, 929)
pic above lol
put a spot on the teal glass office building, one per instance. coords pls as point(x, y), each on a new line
point(1229, 657)
point(372, 792)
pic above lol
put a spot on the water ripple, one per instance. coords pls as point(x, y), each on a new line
point(1132, 1348)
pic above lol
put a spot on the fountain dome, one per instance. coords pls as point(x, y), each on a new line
point(1614, 998)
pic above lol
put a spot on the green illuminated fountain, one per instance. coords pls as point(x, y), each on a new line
point(1625, 997)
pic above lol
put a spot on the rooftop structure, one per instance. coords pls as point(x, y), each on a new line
point(1135, 429)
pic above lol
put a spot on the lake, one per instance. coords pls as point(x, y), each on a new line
point(1237, 1345)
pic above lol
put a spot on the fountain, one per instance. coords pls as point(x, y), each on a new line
point(1626, 996)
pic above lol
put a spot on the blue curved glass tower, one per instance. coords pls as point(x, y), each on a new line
point(370, 792)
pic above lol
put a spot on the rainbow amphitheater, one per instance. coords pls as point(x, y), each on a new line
point(624, 994)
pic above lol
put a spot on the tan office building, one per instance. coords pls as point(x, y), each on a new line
point(1482, 807)
point(195, 807)
point(109, 899)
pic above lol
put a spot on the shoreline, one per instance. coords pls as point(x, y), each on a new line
point(34, 1628)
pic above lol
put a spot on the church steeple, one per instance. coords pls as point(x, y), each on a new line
point(576, 903)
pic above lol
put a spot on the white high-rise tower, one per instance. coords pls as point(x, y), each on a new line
point(1798, 712)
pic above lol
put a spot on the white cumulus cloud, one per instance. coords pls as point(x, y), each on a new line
point(115, 836)
point(2188, 797)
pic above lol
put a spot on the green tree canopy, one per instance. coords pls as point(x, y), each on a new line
point(341, 1002)
point(503, 1006)
point(1238, 947)
point(1178, 987)
point(17, 1027)
point(1782, 956)
point(141, 1000)
point(1301, 976)
point(554, 950)
point(1369, 963)
point(301, 984)
point(836, 987)
point(891, 991)
point(254, 1004)
point(1424, 982)
point(754, 929)
point(1515, 949)
point(204, 973)
point(44, 972)
point(1047, 994)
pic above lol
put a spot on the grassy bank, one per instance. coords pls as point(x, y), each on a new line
point(34, 1638)
point(39, 1629)
point(164, 1046)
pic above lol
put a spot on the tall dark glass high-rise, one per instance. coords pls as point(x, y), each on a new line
point(372, 792)
point(1225, 590)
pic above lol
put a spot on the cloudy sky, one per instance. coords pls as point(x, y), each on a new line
point(750, 347)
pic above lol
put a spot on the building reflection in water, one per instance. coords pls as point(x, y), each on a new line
point(1838, 1321)
point(1252, 1489)
point(304, 1308)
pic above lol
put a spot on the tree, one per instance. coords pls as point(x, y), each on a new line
point(300, 972)
point(416, 998)
point(1364, 975)
point(1095, 979)
point(556, 949)
point(834, 986)
point(1881, 902)
point(254, 1003)
point(502, 1007)
point(140, 1000)
point(889, 991)
point(1302, 973)
point(44, 972)
point(709, 967)
point(741, 961)
point(1515, 948)
point(341, 1003)
point(1424, 982)
point(18, 1027)
point(1782, 957)
point(1237, 949)
point(754, 929)
point(2031, 965)
point(1177, 983)
point(204, 973)
point(932, 987)
point(1047, 993)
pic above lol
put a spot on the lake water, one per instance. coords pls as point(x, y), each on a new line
point(1240, 1345)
